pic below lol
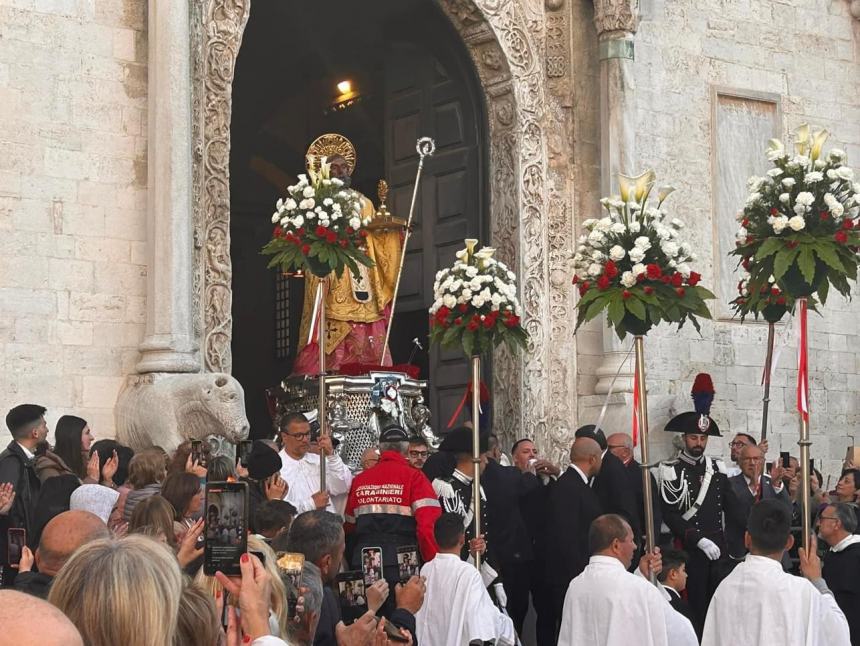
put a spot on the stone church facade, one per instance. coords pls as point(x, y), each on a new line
point(115, 272)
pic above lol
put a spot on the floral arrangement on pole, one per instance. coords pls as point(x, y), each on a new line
point(319, 226)
point(632, 263)
point(798, 232)
point(475, 304)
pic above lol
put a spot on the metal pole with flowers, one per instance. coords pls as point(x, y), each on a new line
point(798, 237)
point(319, 229)
point(632, 265)
point(475, 308)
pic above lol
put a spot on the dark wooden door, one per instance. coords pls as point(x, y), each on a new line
point(431, 94)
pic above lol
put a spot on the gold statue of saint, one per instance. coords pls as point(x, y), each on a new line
point(357, 307)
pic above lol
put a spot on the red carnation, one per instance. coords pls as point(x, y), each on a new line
point(489, 322)
point(847, 224)
point(344, 243)
point(277, 232)
point(575, 279)
point(512, 321)
point(626, 294)
point(841, 237)
point(306, 249)
point(473, 326)
point(350, 231)
point(363, 233)
point(648, 289)
point(745, 263)
point(331, 237)
point(824, 215)
point(442, 313)
point(300, 232)
point(774, 291)
point(773, 211)
point(653, 271)
point(680, 291)
point(463, 307)
point(602, 282)
point(458, 320)
point(677, 280)
point(610, 270)
point(780, 300)
point(694, 279)
point(584, 288)
point(745, 223)
point(321, 231)
point(666, 279)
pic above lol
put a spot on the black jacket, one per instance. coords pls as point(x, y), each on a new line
point(571, 506)
point(34, 583)
point(16, 468)
point(842, 573)
point(708, 520)
point(738, 503)
point(330, 617)
point(683, 607)
point(612, 486)
point(506, 489)
point(634, 476)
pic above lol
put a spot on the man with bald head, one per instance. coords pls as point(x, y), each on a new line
point(62, 536)
point(28, 620)
point(571, 507)
point(747, 488)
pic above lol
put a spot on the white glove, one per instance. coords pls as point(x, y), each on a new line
point(709, 548)
point(501, 597)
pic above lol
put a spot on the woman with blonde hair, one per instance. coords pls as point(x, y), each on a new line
point(121, 592)
point(154, 517)
point(279, 617)
point(198, 624)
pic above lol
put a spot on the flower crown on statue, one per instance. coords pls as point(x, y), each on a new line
point(798, 232)
point(319, 226)
point(632, 264)
point(475, 303)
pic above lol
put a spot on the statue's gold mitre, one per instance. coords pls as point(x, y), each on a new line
point(329, 145)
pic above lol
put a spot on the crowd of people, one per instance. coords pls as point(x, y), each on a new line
point(103, 545)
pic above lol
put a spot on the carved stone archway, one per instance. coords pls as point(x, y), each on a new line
point(531, 217)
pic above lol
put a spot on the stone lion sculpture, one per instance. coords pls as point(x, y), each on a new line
point(167, 409)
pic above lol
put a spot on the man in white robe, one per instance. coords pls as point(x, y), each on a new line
point(457, 609)
point(759, 603)
point(609, 606)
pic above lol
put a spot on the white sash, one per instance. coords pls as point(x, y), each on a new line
point(706, 483)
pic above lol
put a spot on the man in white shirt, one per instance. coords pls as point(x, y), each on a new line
point(758, 603)
point(457, 607)
point(608, 605)
point(301, 469)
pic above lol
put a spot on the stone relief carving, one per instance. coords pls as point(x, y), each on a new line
point(223, 23)
point(165, 410)
point(507, 41)
point(616, 15)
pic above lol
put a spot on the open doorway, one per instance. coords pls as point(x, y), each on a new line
point(412, 77)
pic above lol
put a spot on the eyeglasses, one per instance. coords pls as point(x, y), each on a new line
point(419, 454)
point(737, 443)
point(615, 446)
point(299, 436)
point(828, 518)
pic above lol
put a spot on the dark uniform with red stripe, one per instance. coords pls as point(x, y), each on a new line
point(391, 505)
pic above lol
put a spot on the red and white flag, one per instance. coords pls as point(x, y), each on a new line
point(803, 365)
point(635, 408)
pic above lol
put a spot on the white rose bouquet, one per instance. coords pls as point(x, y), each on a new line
point(319, 226)
point(475, 303)
point(633, 264)
point(798, 230)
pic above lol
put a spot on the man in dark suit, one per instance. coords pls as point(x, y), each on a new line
point(746, 489)
point(612, 484)
point(621, 446)
point(572, 505)
point(27, 425)
point(505, 487)
point(673, 578)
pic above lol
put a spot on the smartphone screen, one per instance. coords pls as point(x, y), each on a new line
point(226, 514)
point(197, 452)
point(408, 564)
point(768, 466)
point(243, 450)
point(371, 564)
point(16, 540)
point(352, 595)
point(786, 459)
point(290, 565)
